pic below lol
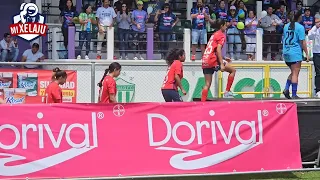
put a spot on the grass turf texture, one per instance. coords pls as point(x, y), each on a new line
point(314, 175)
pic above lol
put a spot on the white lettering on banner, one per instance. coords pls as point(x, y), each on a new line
point(177, 161)
point(38, 165)
point(67, 85)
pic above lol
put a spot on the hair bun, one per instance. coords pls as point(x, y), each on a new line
point(56, 69)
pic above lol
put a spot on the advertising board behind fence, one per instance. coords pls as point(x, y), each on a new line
point(94, 140)
point(19, 86)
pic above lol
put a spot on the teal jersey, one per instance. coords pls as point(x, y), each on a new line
point(291, 42)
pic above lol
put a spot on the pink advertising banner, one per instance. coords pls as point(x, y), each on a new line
point(92, 140)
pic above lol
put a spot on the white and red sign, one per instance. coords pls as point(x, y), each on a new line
point(28, 24)
point(93, 140)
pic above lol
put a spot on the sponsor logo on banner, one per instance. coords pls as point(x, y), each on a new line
point(29, 24)
point(28, 86)
point(126, 90)
point(65, 134)
point(228, 133)
point(67, 140)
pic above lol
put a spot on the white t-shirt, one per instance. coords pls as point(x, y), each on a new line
point(32, 57)
point(106, 15)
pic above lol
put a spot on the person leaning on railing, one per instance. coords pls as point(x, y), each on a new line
point(86, 19)
point(314, 34)
point(32, 55)
point(9, 48)
point(167, 20)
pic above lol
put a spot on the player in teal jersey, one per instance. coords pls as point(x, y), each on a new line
point(293, 44)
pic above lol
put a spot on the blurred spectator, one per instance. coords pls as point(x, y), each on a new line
point(167, 20)
point(299, 7)
point(221, 12)
point(314, 34)
point(156, 5)
point(9, 48)
point(234, 40)
point(32, 55)
point(242, 10)
point(242, 15)
point(283, 16)
point(105, 18)
point(118, 6)
point(99, 3)
point(123, 20)
point(233, 2)
point(269, 25)
point(62, 5)
point(67, 16)
point(250, 31)
point(266, 3)
point(211, 21)
point(199, 16)
point(307, 20)
point(286, 3)
point(139, 18)
point(86, 19)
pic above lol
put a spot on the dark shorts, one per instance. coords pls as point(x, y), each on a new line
point(289, 64)
point(171, 95)
point(211, 70)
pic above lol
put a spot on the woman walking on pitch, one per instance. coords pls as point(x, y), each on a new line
point(54, 91)
point(107, 84)
point(173, 77)
point(293, 44)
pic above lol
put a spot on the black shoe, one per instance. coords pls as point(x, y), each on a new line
point(296, 97)
point(286, 93)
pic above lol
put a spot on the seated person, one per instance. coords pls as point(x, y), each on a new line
point(9, 48)
point(32, 55)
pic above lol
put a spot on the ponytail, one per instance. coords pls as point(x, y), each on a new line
point(104, 75)
point(112, 67)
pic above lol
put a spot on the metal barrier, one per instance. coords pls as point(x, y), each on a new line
point(267, 84)
point(140, 81)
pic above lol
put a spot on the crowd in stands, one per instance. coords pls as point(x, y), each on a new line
point(131, 22)
point(131, 25)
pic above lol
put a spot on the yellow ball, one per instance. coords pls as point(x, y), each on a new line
point(240, 25)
